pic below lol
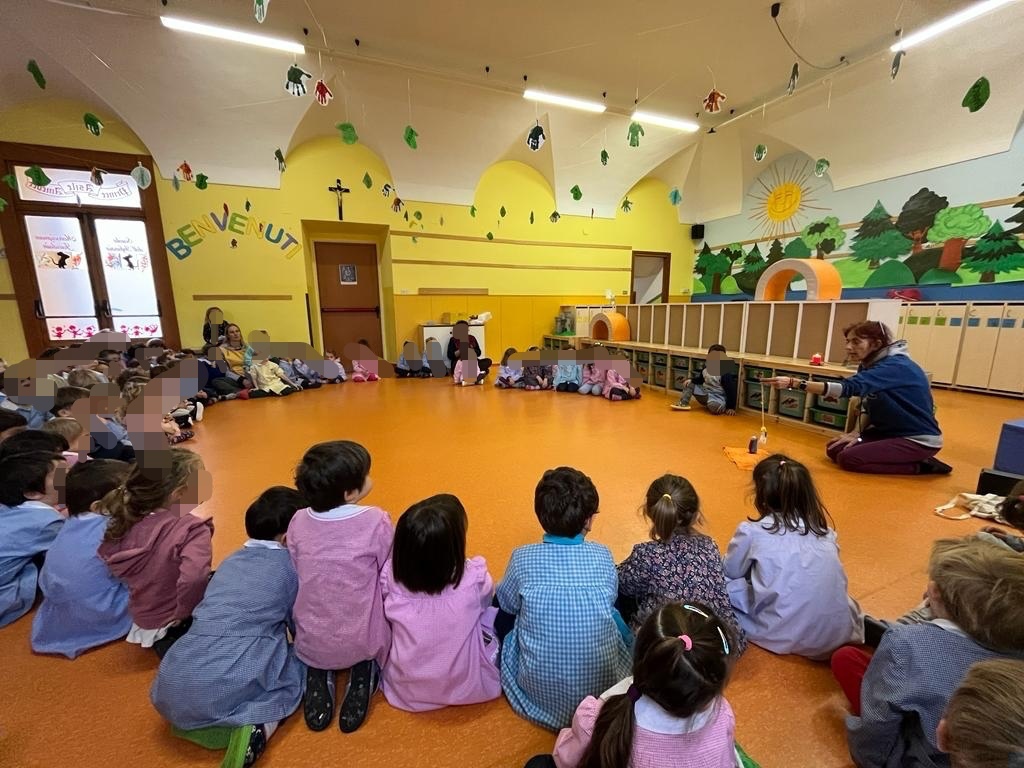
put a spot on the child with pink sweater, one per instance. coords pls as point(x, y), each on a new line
point(339, 547)
point(616, 384)
point(444, 650)
point(364, 365)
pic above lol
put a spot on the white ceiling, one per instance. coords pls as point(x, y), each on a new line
point(223, 106)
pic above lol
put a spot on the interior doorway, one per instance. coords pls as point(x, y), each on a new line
point(349, 291)
point(649, 279)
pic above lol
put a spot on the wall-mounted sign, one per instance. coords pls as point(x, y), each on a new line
point(347, 274)
point(76, 188)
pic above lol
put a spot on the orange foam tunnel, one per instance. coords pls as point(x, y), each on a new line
point(609, 326)
point(824, 283)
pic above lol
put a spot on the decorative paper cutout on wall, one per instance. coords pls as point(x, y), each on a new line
point(193, 234)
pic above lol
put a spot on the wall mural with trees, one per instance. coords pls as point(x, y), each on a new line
point(922, 239)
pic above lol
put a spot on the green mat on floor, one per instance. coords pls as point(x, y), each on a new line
point(745, 760)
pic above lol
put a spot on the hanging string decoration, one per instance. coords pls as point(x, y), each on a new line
point(396, 204)
point(502, 212)
point(279, 156)
point(604, 157)
point(367, 180)
point(96, 177)
point(259, 10)
point(554, 217)
point(576, 192)
point(794, 77)
point(410, 137)
point(760, 152)
point(536, 138)
point(37, 176)
point(293, 80)
point(977, 95)
point(248, 206)
point(92, 123)
point(37, 74)
point(10, 180)
point(176, 183)
point(418, 215)
point(896, 61)
point(472, 211)
point(143, 178)
point(490, 235)
point(322, 93)
point(821, 167)
point(627, 205)
point(531, 217)
point(386, 190)
point(348, 133)
point(186, 171)
point(635, 132)
point(202, 181)
point(675, 196)
point(713, 101)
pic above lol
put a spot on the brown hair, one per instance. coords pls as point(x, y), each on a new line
point(1012, 508)
point(83, 377)
point(64, 426)
point(147, 489)
point(985, 716)
point(65, 397)
point(784, 491)
point(508, 353)
point(681, 677)
point(672, 506)
point(980, 584)
point(873, 331)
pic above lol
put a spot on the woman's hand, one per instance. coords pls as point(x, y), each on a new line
point(850, 438)
point(781, 382)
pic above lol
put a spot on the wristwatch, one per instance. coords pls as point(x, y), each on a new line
point(803, 385)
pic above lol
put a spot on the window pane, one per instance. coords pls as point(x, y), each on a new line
point(58, 253)
point(75, 188)
point(127, 269)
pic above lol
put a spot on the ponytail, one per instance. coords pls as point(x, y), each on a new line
point(145, 490)
point(612, 742)
point(784, 491)
point(672, 506)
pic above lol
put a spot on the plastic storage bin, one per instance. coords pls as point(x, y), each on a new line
point(828, 418)
point(791, 403)
point(754, 373)
point(839, 405)
point(661, 359)
point(660, 375)
point(679, 375)
point(755, 395)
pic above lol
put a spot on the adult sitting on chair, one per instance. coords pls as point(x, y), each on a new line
point(459, 346)
point(896, 433)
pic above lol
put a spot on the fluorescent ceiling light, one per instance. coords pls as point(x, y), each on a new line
point(948, 23)
point(666, 122)
point(563, 101)
point(223, 33)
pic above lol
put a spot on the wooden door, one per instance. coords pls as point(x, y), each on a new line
point(1008, 367)
point(944, 342)
point(349, 295)
point(979, 345)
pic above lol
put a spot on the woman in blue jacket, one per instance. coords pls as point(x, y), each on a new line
point(897, 433)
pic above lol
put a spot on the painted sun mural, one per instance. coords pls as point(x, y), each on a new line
point(783, 196)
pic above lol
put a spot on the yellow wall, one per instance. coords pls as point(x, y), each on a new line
point(529, 270)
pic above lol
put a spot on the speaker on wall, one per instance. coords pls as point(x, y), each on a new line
point(697, 232)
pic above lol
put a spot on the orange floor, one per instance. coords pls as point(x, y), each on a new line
point(489, 448)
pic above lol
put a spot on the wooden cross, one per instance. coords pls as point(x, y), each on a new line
point(339, 190)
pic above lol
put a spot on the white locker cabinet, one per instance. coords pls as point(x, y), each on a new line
point(944, 342)
point(1008, 363)
point(917, 331)
point(978, 348)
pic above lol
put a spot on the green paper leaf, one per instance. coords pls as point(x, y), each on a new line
point(10, 181)
point(531, 217)
point(410, 137)
point(3, 205)
point(92, 123)
point(202, 181)
point(554, 217)
point(502, 212)
point(635, 132)
point(821, 167)
point(576, 192)
point(367, 181)
point(627, 205)
point(490, 235)
point(248, 205)
point(279, 156)
point(472, 211)
point(977, 95)
point(418, 216)
point(37, 74)
point(760, 152)
point(348, 133)
point(36, 175)
point(604, 157)
point(176, 182)
point(675, 196)
point(406, 216)
point(143, 178)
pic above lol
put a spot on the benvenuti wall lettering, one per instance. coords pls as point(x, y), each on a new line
point(228, 222)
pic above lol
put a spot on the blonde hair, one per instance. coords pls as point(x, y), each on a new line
point(985, 716)
point(84, 377)
point(147, 489)
point(64, 426)
point(980, 584)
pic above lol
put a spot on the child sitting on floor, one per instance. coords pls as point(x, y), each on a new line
point(71, 430)
point(158, 547)
point(235, 667)
point(269, 379)
point(509, 376)
point(339, 547)
point(670, 711)
point(984, 722)
point(83, 606)
point(617, 385)
point(466, 372)
point(334, 371)
point(568, 374)
point(712, 386)
point(782, 569)
point(679, 565)
point(536, 375)
point(30, 483)
point(443, 651)
point(568, 641)
point(411, 364)
point(899, 694)
point(365, 365)
point(593, 378)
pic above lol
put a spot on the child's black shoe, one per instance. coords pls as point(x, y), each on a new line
point(363, 680)
point(318, 705)
point(873, 631)
point(257, 745)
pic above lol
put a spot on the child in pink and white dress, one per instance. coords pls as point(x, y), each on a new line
point(364, 365)
point(671, 712)
point(616, 383)
point(443, 649)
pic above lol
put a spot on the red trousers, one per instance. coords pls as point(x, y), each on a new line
point(849, 664)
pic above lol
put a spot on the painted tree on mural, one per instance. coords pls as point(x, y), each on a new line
point(877, 238)
point(776, 253)
point(754, 261)
point(825, 235)
point(797, 249)
point(918, 216)
point(996, 251)
point(1018, 218)
point(717, 266)
point(953, 227)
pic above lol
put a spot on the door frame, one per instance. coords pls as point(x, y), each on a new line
point(19, 251)
point(314, 297)
point(666, 259)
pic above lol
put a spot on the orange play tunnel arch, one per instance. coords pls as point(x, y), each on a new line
point(609, 326)
point(824, 283)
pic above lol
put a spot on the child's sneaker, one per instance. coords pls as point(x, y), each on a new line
point(199, 411)
point(318, 703)
point(363, 680)
point(257, 745)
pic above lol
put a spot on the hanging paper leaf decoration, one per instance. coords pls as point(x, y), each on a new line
point(175, 182)
point(248, 206)
point(635, 132)
point(577, 193)
point(396, 204)
point(441, 221)
point(348, 133)
point(472, 211)
point(202, 181)
point(418, 216)
point(406, 216)
point(96, 177)
point(554, 217)
point(293, 80)
point(627, 205)
point(760, 152)
point(896, 60)
point(490, 235)
point(322, 93)
point(367, 181)
point(675, 196)
point(3, 205)
point(259, 10)
point(531, 217)
point(535, 140)
point(10, 180)
point(604, 157)
point(37, 176)
point(821, 167)
point(92, 124)
point(143, 178)
point(794, 76)
point(386, 190)
point(713, 101)
point(37, 74)
point(977, 95)
point(279, 156)
point(502, 211)
point(415, 239)
point(410, 137)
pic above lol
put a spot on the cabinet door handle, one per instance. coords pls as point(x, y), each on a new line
point(37, 307)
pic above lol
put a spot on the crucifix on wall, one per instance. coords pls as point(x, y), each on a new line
point(339, 190)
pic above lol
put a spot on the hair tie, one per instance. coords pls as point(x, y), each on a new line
point(687, 642)
point(782, 463)
point(633, 692)
point(667, 496)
